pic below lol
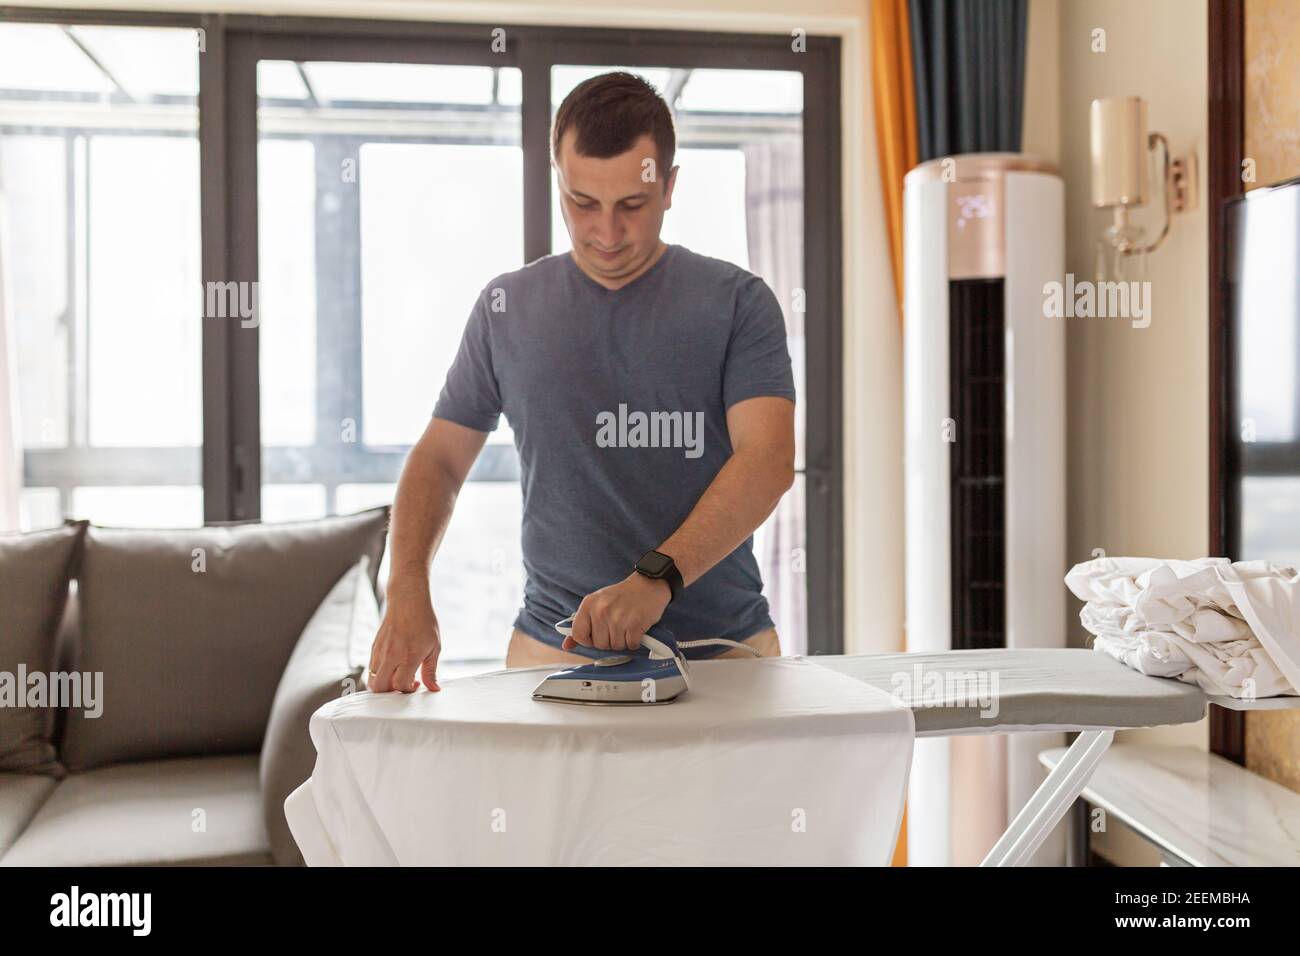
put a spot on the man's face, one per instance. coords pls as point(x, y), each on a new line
point(612, 207)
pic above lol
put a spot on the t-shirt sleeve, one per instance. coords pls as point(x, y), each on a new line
point(471, 396)
point(758, 360)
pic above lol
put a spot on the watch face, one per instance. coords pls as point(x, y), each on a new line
point(654, 563)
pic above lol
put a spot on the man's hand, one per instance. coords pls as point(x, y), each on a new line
point(615, 617)
point(408, 639)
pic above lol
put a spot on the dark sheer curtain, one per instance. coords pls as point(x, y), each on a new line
point(969, 62)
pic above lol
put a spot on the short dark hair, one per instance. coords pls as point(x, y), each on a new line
point(608, 113)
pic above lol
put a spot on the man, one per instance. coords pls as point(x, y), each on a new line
point(652, 401)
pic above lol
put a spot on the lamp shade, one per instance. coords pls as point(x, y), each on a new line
point(1119, 152)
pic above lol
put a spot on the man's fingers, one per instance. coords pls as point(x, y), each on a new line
point(429, 670)
point(617, 636)
point(403, 676)
point(581, 633)
point(388, 671)
point(599, 632)
point(631, 639)
point(598, 627)
point(380, 672)
point(376, 657)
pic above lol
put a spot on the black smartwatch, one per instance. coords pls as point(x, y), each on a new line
point(657, 565)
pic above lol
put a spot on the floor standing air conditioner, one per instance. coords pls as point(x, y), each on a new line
point(984, 408)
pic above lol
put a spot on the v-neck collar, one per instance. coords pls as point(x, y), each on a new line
point(670, 250)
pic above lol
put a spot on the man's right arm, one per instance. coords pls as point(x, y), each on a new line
point(408, 639)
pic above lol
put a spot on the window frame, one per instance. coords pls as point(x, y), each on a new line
point(227, 107)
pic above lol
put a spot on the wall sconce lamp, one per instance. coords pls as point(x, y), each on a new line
point(1121, 149)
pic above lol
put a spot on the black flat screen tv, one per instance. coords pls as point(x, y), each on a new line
point(1262, 326)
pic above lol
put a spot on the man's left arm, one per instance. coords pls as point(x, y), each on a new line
point(738, 500)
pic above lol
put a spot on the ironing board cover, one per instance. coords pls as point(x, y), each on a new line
point(1028, 688)
point(764, 762)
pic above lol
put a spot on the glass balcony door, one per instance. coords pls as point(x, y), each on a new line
point(388, 193)
point(375, 182)
point(100, 254)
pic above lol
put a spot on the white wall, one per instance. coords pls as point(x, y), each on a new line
point(1137, 398)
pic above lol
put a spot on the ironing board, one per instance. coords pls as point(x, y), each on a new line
point(764, 762)
point(1037, 690)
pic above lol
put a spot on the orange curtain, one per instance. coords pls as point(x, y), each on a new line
point(896, 140)
point(895, 100)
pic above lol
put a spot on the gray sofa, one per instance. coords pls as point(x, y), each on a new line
point(211, 648)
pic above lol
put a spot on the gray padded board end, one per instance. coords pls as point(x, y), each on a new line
point(1051, 687)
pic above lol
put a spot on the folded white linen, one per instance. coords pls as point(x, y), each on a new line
point(1231, 629)
point(1270, 603)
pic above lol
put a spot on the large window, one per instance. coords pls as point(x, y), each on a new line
point(388, 194)
point(1263, 383)
point(99, 165)
point(356, 189)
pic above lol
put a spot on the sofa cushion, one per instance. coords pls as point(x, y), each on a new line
point(34, 573)
point(21, 795)
point(327, 662)
point(192, 810)
point(192, 630)
point(65, 648)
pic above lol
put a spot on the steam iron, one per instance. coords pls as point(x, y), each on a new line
point(655, 673)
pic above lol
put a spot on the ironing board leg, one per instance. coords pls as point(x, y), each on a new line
point(1053, 797)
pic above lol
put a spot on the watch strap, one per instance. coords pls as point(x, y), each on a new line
point(670, 574)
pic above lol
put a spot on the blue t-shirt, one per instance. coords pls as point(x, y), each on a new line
point(618, 399)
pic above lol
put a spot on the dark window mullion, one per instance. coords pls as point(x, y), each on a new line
point(535, 133)
point(245, 342)
point(823, 433)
